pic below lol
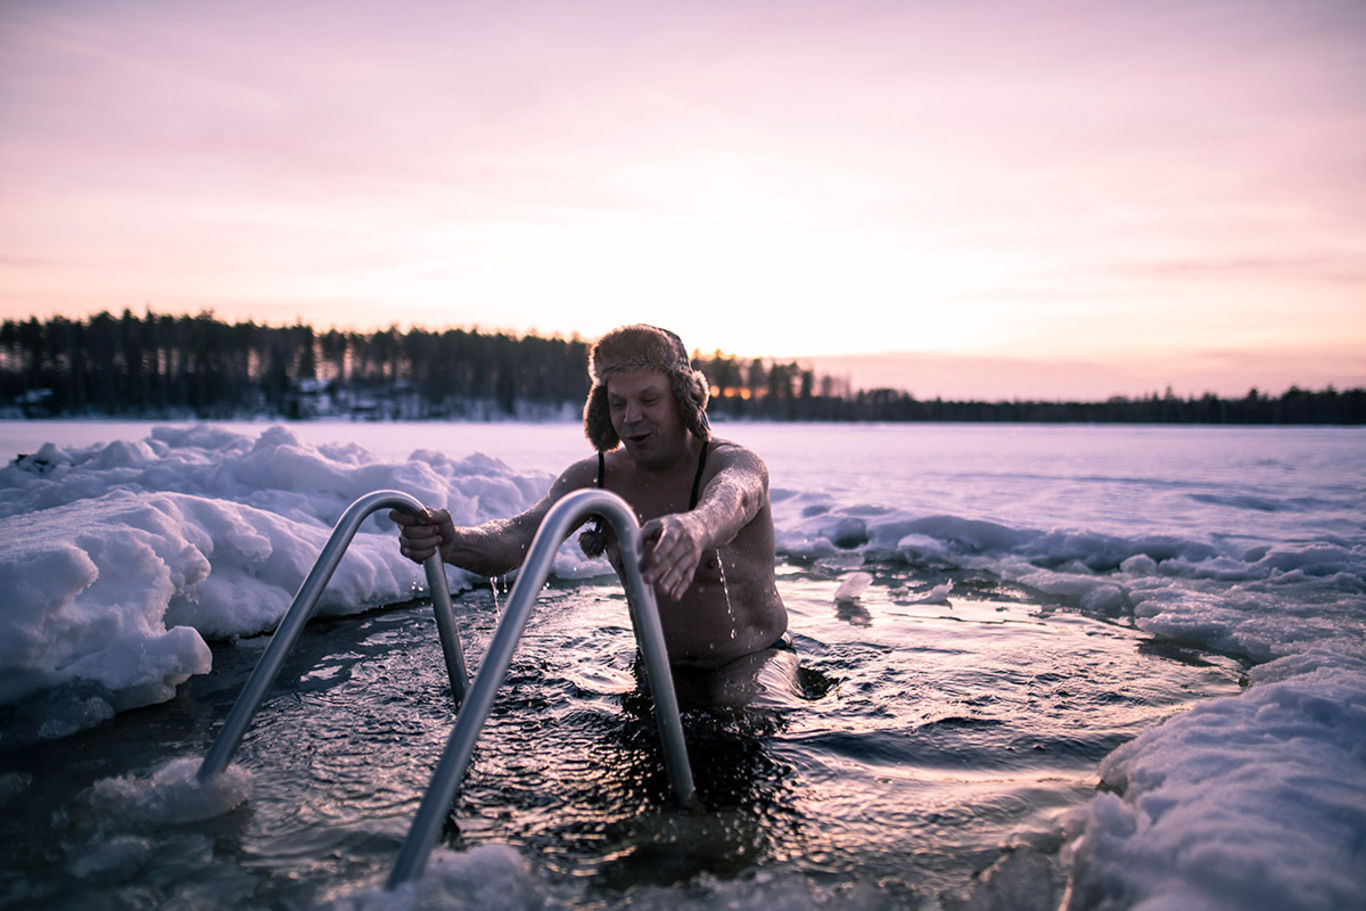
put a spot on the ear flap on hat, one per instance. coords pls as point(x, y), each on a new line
point(597, 420)
point(691, 393)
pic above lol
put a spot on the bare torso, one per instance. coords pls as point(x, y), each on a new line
point(732, 608)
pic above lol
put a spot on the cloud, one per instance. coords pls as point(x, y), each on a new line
point(1332, 269)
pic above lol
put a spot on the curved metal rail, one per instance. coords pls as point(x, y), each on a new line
point(287, 633)
point(564, 517)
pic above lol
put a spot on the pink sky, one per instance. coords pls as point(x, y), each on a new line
point(995, 198)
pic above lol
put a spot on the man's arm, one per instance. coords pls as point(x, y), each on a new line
point(490, 549)
point(674, 544)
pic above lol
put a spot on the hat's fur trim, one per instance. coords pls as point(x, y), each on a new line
point(643, 347)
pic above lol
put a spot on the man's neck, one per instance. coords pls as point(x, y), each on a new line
point(685, 457)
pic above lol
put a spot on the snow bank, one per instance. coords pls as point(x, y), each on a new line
point(119, 561)
point(1246, 803)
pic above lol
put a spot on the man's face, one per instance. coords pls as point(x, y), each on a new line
point(645, 415)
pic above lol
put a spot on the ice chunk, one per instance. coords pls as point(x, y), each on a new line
point(853, 585)
point(490, 876)
point(173, 794)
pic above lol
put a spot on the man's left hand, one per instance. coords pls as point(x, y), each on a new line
point(673, 547)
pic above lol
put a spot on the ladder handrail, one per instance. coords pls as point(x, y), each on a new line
point(563, 518)
point(288, 631)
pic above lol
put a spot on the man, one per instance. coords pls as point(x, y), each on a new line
point(707, 525)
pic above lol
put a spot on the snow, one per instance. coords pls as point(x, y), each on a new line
point(122, 561)
point(1257, 801)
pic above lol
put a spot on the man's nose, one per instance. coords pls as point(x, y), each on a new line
point(632, 411)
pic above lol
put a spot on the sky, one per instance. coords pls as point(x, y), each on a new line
point(972, 199)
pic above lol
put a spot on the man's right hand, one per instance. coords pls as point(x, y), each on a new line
point(421, 536)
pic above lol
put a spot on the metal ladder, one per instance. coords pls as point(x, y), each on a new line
point(476, 700)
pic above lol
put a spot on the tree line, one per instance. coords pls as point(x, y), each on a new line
point(158, 365)
point(161, 365)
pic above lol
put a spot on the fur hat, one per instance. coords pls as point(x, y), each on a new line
point(643, 347)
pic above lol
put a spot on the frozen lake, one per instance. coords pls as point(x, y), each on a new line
point(1037, 598)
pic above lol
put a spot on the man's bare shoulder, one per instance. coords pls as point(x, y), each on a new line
point(729, 453)
point(583, 473)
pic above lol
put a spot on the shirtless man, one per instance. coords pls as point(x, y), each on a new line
point(707, 525)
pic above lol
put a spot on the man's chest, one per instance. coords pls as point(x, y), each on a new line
point(652, 498)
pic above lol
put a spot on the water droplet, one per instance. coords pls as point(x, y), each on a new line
point(725, 590)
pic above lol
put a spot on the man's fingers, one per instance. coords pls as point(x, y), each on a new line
point(680, 587)
point(667, 556)
point(670, 571)
point(419, 536)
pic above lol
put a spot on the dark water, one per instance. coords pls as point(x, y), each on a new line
point(922, 744)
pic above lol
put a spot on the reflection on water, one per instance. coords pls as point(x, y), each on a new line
point(915, 743)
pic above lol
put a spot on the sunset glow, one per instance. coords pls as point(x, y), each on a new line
point(1086, 198)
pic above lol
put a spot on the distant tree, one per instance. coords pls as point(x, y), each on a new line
point(158, 364)
point(758, 379)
